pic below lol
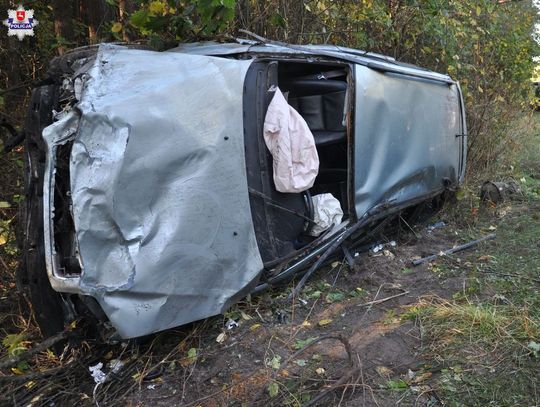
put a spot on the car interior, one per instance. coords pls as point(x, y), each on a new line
point(319, 93)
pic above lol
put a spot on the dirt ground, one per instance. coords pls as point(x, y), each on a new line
point(354, 337)
point(386, 349)
point(380, 333)
point(265, 360)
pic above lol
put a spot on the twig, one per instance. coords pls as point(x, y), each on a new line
point(409, 226)
point(383, 299)
point(338, 337)
point(223, 389)
point(344, 379)
point(454, 249)
point(47, 343)
point(32, 376)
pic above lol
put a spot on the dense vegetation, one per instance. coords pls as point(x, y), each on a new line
point(485, 44)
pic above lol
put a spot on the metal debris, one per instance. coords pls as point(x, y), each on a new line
point(453, 250)
point(497, 192)
point(437, 225)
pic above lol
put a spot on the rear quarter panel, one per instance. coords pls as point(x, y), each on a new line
point(405, 138)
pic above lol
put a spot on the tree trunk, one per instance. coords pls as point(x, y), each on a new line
point(93, 13)
point(63, 22)
point(124, 7)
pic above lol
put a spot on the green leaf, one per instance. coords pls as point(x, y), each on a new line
point(4, 204)
point(192, 354)
point(315, 294)
point(157, 8)
point(158, 23)
point(305, 397)
point(278, 20)
point(300, 344)
point(535, 347)
point(14, 343)
point(273, 389)
point(333, 297)
point(139, 18)
point(397, 384)
point(116, 27)
point(275, 362)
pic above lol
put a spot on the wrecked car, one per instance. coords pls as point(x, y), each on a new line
point(152, 182)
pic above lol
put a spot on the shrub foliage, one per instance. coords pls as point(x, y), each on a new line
point(486, 44)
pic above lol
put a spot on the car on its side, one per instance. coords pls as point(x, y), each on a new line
point(150, 201)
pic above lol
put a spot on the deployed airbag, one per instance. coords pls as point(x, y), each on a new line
point(327, 213)
point(291, 143)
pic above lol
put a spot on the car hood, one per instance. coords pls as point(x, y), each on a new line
point(158, 186)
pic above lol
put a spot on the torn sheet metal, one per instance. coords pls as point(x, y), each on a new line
point(158, 185)
point(405, 138)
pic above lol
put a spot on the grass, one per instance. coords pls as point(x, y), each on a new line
point(485, 342)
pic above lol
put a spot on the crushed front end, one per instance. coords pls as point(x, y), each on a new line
point(142, 191)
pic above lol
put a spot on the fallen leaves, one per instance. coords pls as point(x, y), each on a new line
point(273, 389)
point(383, 371)
point(274, 363)
point(300, 344)
point(324, 322)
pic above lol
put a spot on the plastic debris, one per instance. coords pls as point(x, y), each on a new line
point(381, 246)
point(437, 225)
point(99, 376)
point(231, 324)
point(115, 366)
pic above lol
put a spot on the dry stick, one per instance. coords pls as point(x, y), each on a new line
point(340, 382)
point(41, 347)
point(383, 299)
point(223, 389)
point(344, 379)
point(338, 337)
point(32, 376)
point(454, 249)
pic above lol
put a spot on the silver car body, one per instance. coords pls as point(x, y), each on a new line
point(159, 197)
